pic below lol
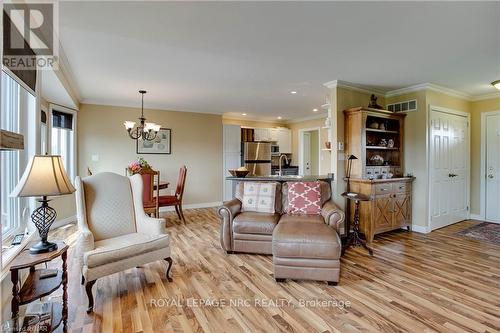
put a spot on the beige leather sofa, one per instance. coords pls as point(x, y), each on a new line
point(303, 246)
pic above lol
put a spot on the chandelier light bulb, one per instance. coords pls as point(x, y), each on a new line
point(129, 124)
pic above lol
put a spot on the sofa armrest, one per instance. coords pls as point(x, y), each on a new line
point(227, 212)
point(333, 216)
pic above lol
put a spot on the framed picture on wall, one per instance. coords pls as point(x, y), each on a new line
point(162, 144)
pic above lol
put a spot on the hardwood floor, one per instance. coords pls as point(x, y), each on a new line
point(414, 283)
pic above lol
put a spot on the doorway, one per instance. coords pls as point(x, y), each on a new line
point(491, 158)
point(309, 152)
point(449, 165)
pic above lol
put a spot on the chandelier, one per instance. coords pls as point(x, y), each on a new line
point(145, 131)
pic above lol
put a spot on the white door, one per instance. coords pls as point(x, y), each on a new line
point(306, 144)
point(449, 168)
point(493, 168)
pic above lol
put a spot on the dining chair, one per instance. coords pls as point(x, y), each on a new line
point(149, 199)
point(176, 199)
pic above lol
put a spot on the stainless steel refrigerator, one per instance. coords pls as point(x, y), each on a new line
point(256, 158)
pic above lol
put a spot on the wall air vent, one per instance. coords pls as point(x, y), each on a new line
point(403, 106)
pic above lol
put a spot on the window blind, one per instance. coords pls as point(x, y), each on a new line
point(62, 120)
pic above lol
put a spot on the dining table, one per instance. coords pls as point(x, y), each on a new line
point(162, 185)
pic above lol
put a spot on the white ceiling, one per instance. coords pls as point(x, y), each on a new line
point(245, 57)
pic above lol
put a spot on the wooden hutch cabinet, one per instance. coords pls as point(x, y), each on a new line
point(376, 138)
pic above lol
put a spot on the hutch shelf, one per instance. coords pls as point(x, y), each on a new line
point(376, 138)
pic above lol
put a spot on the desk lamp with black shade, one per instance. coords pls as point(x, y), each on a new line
point(44, 176)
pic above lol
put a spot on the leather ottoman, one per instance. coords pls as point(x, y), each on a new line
point(305, 250)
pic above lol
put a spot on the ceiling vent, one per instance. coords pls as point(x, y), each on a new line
point(403, 106)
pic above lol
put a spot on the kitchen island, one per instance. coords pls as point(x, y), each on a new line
point(280, 179)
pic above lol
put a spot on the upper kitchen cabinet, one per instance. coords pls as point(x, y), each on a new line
point(284, 140)
point(262, 134)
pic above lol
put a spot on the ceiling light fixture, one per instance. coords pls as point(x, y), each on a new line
point(496, 84)
point(293, 92)
point(243, 114)
point(315, 110)
point(145, 131)
point(280, 117)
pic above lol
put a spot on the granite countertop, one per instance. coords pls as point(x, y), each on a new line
point(285, 178)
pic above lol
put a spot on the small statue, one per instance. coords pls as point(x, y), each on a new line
point(373, 103)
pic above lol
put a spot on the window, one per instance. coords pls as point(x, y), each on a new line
point(9, 120)
point(43, 132)
point(16, 114)
point(63, 138)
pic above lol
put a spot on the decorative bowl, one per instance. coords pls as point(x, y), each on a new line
point(238, 173)
point(373, 125)
point(377, 160)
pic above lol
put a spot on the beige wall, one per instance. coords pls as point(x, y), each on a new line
point(252, 123)
point(196, 142)
point(415, 153)
point(324, 166)
point(477, 108)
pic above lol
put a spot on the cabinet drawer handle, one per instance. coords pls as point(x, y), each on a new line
point(401, 187)
point(383, 189)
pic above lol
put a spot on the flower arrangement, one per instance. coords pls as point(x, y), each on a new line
point(138, 165)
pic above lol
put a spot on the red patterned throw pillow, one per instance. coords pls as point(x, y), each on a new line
point(304, 198)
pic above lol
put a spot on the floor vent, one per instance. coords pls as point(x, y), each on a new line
point(403, 106)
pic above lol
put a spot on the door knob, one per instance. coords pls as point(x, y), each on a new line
point(451, 175)
point(490, 176)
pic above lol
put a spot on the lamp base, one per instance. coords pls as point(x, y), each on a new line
point(43, 247)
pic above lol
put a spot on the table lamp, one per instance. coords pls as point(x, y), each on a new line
point(44, 176)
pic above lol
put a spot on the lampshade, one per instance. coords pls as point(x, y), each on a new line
point(44, 176)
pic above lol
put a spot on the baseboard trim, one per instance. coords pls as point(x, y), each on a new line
point(193, 206)
point(420, 229)
point(64, 221)
point(477, 217)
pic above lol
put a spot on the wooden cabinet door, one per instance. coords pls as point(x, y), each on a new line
point(402, 209)
point(382, 212)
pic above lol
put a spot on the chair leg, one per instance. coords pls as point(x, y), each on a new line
point(177, 211)
point(182, 214)
point(83, 280)
point(169, 260)
point(88, 289)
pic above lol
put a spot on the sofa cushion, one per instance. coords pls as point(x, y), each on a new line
point(306, 240)
point(285, 218)
point(123, 247)
point(258, 197)
point(255, 223)
point(304, 198)
point(325, 194)
point(238, 194)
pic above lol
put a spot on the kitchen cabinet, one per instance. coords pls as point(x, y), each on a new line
point(274, 134)
point(284, 140)
point(389, 208)
point(262, 134)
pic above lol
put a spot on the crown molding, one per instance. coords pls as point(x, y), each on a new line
point(486, 96)
point(353, 86)
point(430, 86)
point(322, 115)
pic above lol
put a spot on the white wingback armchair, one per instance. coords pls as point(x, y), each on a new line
point(115, 233)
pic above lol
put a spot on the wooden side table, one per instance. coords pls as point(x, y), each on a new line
point(353, 238)
point(34, 287)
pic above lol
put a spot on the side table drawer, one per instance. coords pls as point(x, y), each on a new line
point(383, 188)
point(400, 187)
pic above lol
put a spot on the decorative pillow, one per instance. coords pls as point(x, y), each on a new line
point(304, 198)
point(258, 197)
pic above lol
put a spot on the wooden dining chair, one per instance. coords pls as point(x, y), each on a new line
point(149, 199)
point(176, 200)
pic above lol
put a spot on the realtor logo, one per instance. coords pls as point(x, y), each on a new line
point(29, 35)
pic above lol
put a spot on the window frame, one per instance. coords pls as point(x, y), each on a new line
point(55, 107)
